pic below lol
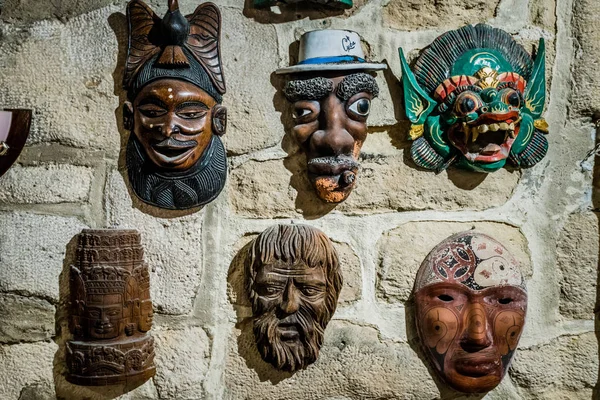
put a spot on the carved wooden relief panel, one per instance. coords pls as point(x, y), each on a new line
point(110, 310)
point(470, 310)
point(331, 90)
point(14, 130)
point(475, 100)
point(174, 80)
point(294, 279)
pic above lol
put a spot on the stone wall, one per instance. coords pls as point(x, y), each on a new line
point(63, 59)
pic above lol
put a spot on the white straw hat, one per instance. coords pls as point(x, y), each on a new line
point(331, 50)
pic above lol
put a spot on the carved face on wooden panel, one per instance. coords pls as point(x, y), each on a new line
point(470, 310)
point(294, 281)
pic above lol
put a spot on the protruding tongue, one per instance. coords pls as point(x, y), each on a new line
point(490, 149)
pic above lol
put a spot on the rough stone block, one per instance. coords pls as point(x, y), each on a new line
point(182, 359)
point(32, 251)
point(24, 319)
point(172, 246)
point(403, 249)
point(22, 365)
point(353, 363)
point(386, 182)
point(414, 14)
point(577, 258)
point(34, 10)
point(49, 184)
point(568, 364)
point(543, 13)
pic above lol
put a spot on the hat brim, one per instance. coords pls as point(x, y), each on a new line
point(331, 67)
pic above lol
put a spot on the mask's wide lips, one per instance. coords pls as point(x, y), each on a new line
point(478, 364)
point(487, 139)
point(171, 148)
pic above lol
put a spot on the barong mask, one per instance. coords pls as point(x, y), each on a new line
point(294, 279)
point(476, 99)
point(331, 94)
point(174, 79)
point(470, 310)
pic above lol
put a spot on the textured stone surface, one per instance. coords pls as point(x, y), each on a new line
point(349, 351)
point(25, 364)
point(24, 319)
point(172, 245)
point(182, 359)
point(414, 14)
point(568, 364)
point(587, 81)
point(577, 258)
point(32, 250)
point(402, 250)
point(45, 184)
point(543, 13)
point(33, 10)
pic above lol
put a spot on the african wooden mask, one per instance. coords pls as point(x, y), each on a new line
point(174, 79)
point(475, 100)
point(14, 130)
point(470, 310)
point(110, 310)
point(331, 92)
point(294, 280)
point(328, 3)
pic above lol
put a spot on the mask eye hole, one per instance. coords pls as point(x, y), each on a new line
point(300, 112)
point(466, 103)
point(506, 300)
point(361, 107)
point(511, 97)
point(445, 297)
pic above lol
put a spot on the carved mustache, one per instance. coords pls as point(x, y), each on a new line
point(332, 165)
point(171, 143)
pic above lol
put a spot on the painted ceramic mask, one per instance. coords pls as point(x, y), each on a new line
point(294, 280)
point(14, 130)
point(328, 3)
point(110, 310)
point(331, 92)
point(174, 79)
point(470, 310)
point(476, 99)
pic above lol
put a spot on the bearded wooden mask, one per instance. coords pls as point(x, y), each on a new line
point(174, 79)
point(294, 280)
point(470, 310)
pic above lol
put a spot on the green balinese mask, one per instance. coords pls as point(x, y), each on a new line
point(476, 99)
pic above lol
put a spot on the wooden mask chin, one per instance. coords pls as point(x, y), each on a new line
point(470, 310)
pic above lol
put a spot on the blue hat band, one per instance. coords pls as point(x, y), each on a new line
point(332, 60)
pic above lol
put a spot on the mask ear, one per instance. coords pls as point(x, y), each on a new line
point(219, 120)
point(128, 115)
point(535, 92)
point(417, 104)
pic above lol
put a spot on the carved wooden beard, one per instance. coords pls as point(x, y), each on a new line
point(294, 280)
point(470, 310)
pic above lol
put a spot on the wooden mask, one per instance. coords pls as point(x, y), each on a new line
point(14, 130)
point(174, 79)
point(470, 310)
point(294, 279)
point(110, 310)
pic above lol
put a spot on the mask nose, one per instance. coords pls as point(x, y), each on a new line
point(476, 336)
point(290, 301)
point(169, 128)
point(332, 138)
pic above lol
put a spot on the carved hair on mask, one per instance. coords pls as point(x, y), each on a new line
point(475, 100)
point(14, 130)
point(331, 90)
point(294, 279)
point(174, 79)
point(110, 310)
point(470, 310)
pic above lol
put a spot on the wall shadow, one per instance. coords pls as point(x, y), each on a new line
point(293, 12)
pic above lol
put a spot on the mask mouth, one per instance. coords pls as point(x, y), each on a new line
point(477, 364)
point(331, 165)
point(487, 139)
point(172, 148)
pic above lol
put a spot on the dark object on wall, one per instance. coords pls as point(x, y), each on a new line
point(110, 310)
point(476, 100)
point(14, 130)
point(174, 82)
point(470, 310)
point(328, 3)
point(294, 279)
point(331, 93)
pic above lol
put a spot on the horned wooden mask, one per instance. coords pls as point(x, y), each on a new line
point(470, 310)
point(111, 311)
point(294, 280)
point(174, 79)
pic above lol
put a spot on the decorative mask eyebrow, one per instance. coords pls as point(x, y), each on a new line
point(356, 83)
point(308, 89)
point(154, 101)
point(192, 104)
